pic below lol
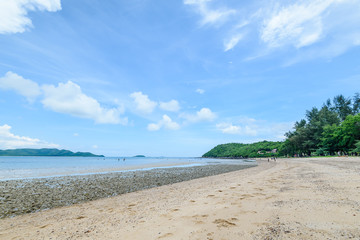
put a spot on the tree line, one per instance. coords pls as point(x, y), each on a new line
point(241, 150)
point(332, 129)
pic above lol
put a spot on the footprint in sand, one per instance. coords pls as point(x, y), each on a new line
point(224, 223)
point(198, 219)
point(246, 196)
point(166, 235)
point(200, 216)
point(44, 226)
point(259, 194)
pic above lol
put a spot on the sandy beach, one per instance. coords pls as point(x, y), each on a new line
point(23, 196)
point(287, 199)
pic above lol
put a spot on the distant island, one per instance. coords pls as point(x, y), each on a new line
point(48, 152)
point(139, 156)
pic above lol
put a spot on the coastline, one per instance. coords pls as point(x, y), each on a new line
point(21, 196)
point(287, 199)
point(95, 171)
point(47, 167)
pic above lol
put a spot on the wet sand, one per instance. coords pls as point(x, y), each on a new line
point(289, 199)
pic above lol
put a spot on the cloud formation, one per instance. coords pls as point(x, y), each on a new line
point(210, 16)
point(142, 103)
point(171, 106)
point(232, 42)
point(251, 127)
point(9, 140)
point(229, 128)
point(299, 24)
point(22, 86)
point(309, 28)
point(66, 98)
point(13, 13)
point(200, 91)
point(204, 115)
point(69, 99)
point(166, 122)
point(326, 28)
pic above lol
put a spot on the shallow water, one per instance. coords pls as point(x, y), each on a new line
point(36, 167)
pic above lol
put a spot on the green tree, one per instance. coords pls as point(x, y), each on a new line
point(331, 138)
point(343, 137)
point(342, 106)
point(350, 132)
point(356, 104)
point(357, 148)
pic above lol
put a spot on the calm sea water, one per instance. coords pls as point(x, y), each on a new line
point(35, 167)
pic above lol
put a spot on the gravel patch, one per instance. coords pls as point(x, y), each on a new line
point(31, 195)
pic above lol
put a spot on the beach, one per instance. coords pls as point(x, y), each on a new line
point(310, 198)
point(29, 195)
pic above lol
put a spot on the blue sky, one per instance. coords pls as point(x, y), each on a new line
point(169, 78)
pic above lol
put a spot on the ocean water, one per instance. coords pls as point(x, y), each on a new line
point(37, 167)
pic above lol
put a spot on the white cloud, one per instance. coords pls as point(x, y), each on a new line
point(13, 13)
point(143, 104)
point(205, 114)
point(230, 44)
point(200, 91)
point(210, 16)
point(307, 28)
point(171, 106)
point(165, 122)
point(69, 99)
point(229, 128)
point(300, 24)
point(65, 98)
point(9, 140)
point(153, 127)
point(330, 27)
point(251, 127)
point(22, 86)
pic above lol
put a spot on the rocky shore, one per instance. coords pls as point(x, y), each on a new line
point(31, 195)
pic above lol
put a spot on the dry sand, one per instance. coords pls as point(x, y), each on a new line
point(289, 199)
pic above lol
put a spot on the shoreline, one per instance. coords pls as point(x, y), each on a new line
point(22, 196)
point(117, 166)
point(288, 199)
point(74, 173)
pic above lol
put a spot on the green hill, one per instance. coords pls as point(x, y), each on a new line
point(51, 152)
point(241, 150)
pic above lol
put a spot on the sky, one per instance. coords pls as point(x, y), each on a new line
point(169, 78)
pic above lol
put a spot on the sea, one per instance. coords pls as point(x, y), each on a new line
point(12, 168)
